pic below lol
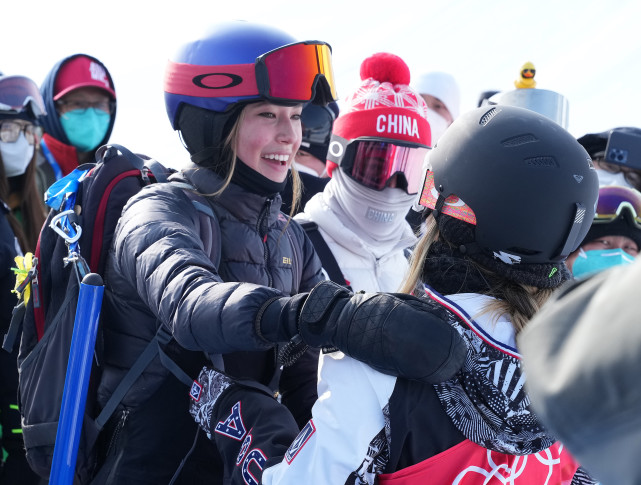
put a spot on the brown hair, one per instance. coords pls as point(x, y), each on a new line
point(30, 204)
point(517, 300)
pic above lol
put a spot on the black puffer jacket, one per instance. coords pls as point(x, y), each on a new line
point(161, 270)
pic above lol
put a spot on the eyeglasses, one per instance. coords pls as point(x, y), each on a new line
point(108, 106)
point(614, 200)
point(290, 73)
point(633, 177)
point(10, 131)
point(18, 94)
point(373, 163)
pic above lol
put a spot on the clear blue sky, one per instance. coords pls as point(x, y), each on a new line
point(588, 51)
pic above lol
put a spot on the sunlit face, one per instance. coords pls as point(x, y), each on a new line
point(606, 242)
point(269, 136)
point(439, 107)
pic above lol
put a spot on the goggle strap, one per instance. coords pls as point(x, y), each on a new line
point(438, 207)
point(211, 81)
point(337, 148)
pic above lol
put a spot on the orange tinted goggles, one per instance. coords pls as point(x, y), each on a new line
point(294, 73)
point(290, 73)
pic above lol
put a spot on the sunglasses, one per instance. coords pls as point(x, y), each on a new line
point(373, 163)
point(291, 73)
point(19, 93)
point(613, 201)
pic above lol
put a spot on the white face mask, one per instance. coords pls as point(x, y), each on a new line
point(438, 125)
point(16, 156)
point(607, 178)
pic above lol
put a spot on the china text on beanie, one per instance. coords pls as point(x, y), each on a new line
point(384, 105)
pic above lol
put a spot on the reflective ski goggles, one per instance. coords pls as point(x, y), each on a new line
point(453, 206)
point(18, 94)
point(288, 74)
point(373, 163)
point(614, 200)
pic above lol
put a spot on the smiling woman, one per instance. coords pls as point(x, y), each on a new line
point(268, 136)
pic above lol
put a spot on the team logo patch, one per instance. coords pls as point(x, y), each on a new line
point(233, 427)
point(196, 391)
point(243, 449)
point(257, 457)
point(302, 438)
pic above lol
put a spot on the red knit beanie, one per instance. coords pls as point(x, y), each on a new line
point(384, 106)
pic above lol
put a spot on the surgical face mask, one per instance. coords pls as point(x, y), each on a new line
point(594, 261)
point(85, 128)
point(606, 178)
point(438, 125)
point(16, 156)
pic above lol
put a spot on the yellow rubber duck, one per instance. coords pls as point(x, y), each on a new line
point(526, 77)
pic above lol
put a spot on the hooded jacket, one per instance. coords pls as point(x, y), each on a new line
point(57, 156)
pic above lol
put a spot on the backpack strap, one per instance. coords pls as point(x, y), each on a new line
point(325, 254)
point(17, 315)
point(156, 168)
point(153, 348)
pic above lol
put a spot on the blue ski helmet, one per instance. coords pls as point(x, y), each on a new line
point(236, 63)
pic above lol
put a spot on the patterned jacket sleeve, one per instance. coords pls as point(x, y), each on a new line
point(251, 429)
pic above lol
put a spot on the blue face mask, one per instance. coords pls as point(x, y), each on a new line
point(590, 262)
point(85, 128)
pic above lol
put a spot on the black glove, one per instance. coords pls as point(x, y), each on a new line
point(395, 333)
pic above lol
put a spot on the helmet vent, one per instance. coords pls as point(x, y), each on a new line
point(519, 140)
point(542, 162)
point(485, 119)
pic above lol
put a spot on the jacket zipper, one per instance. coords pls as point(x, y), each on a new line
point(118, 430)
point(262, 227)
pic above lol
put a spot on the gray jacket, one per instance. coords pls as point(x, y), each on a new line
point(582, 356)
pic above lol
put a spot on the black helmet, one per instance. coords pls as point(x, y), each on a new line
point(317, 124)
point(532, 188)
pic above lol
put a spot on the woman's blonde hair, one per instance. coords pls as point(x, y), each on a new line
point(229, 159)
point(517, 300)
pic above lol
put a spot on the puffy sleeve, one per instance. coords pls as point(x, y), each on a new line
point(160, 250)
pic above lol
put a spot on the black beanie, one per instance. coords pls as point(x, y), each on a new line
point(461, 236)
point(618, 227)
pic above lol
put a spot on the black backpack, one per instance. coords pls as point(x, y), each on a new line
point(47, 320)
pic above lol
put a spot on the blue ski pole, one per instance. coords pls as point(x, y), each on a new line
point(74, 395)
